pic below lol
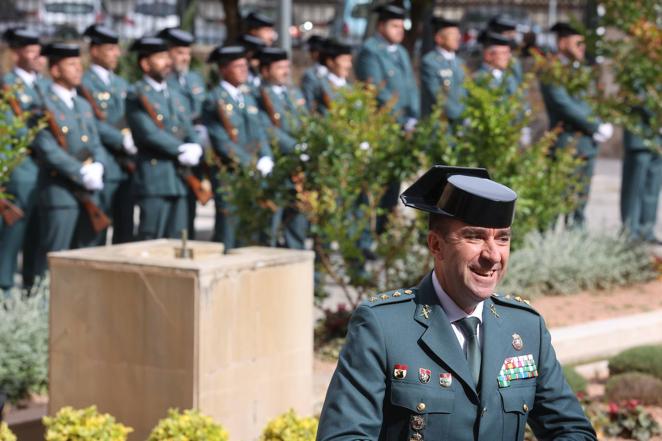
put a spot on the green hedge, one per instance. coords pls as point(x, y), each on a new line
point(575, 380)
point(643, 359)
point(644, 388)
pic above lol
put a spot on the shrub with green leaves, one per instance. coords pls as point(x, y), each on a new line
point(567, 261)
point(630, 420)
point(189, 425)
point(24, 343)
point(635, 386)
point(87, 424)
point(5, 433)
point(645, 359)
point(290, 427)
point(575, 380)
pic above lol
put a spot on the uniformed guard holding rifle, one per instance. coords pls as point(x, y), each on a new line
point(167, 145)
point(106, 93)
point(236, 132)
point(72, 160)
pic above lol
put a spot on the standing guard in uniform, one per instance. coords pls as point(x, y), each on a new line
point(442, 72)
point(191, 86)
point(237, 135)
point(504, 25)
point(384, 62)
point(574, 116)
point(496, 60)
point(283, 106)
point(311, 78)
point(260, 26)
point(450, 359)
point(72, 160)
point(19, 215)
point(106, 93)
point(167, 144)
point(252, 45)
point(337, 59)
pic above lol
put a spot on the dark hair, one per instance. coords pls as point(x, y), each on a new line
point(438, 223)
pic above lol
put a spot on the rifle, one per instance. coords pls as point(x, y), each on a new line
point(98, 113)
point(10, 213)
point(11, 99)
point(269, 107)
point(97, 217)
point(201, 192)
point(227, 124)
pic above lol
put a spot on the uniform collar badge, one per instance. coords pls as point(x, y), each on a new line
point(518, 344)
point(424, 375)
point(445, 379)
point(400, 371)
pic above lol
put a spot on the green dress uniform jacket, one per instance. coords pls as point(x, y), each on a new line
point(392, 74)
point(116, 196)
point(507, 79)
point(642, 179)
point(22, 186)
point(192, 87)
point(402, 375)
point(311, 82)
point(327, 93)
point(238, 137)
point(159, 184)
point(578, 123)
point(64, 224)
point(442, 77)
point(282, 109)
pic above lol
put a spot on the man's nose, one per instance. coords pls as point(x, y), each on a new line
point(490, 251)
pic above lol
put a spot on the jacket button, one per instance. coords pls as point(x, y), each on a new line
point(153, 162)
point(483, 411)
point(420, 407)
point(525, 407)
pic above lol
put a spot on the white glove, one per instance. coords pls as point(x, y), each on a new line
point(605, 131)
point(128, 144)
point(92, 176)
point(525, 136)
point(203, 135)
point(189, 154)
point(410, 124)
point(265, 164)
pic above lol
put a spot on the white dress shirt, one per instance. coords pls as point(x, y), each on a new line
point(66, 95)
point(336, 80)
point(448, 55)
point(234, 92)
point(28, 77)
point(456, 313)
point(159, 87)
point(102, 73)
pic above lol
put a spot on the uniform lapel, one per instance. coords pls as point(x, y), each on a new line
point(439, 336)
point(495, 344)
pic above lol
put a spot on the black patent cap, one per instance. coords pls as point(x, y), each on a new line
point(255, 20)
point(251, 42)
point(563, 29)
point(334, 48)
point(439, 23)
point(390, 12)
point(465, 194)
point(99, 34)
point(488, 38)
point(225, 54)
point(20, 37)
point(146, 46)
point(268, 55)
point(59, 51)
point(501, 23)
point(315, 42)
point(176, 37)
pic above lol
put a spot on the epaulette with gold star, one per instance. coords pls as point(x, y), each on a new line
point(514, 300)
point(390, 297)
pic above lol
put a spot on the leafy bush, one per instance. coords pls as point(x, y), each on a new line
point(575, 380)
point(88, 424)
point(643, 359)
point(290, 427)
point(630, 420)
point(635, 386)
point(5, 433)
point(567, 261)
point(24, 343)
point(190, 425)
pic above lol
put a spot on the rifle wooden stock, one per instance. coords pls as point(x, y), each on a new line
point(202, 194)
point(97, 217)
point(150, 111)
point(269, 107)
point(11, 99)
point(10, 213)
point(225, 121)
point(326, 99)
point(56, 130)
point(98, 113)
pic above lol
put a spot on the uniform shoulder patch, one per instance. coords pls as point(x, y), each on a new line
point(391, 297)
point(513, 300)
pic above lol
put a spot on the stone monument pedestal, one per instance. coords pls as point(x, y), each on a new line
point(136, 331)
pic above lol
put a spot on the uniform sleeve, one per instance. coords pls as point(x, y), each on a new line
point(110, 135)
point(145, 132)
point(55, 158)
point(579, 117)
point(308, 88)
point(413, 94)
point(556, 415)
point(430, 85)
point(354, 402)
point(368, 68)
point(220, 140)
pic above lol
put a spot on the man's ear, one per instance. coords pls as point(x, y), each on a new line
point(435, 244)
point(144, 64)
point(54, 70)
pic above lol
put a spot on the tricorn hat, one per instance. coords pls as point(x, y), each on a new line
point(439, 23)
point(390, 12)
point(20, 37)
point(225, 54)
point(563, 29)
point(502, 23)
point(59, 51)
point(176, 37)
point(462, 193)
point(255, 20)
point(99, 34)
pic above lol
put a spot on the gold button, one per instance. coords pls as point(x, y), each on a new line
point(397, 294)
point(153, 162)
point(65, 129)
point(159, 117)
point(408, 291)
point(525, 407)
point(483, 411)
point(84, 138)
point(372, 299)
point(420, 407)
point(276, 115)
point(384, 296)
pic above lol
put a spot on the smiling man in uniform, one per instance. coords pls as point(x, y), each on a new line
point(450, 359)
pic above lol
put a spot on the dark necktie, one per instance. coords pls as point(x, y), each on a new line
point(469, 327)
